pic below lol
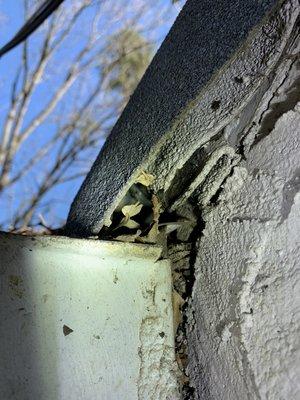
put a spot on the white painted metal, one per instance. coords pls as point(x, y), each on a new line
point(84, 319)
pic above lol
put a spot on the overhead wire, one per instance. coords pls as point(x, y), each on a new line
point(37, 18)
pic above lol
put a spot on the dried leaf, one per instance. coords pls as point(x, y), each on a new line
point(129, 223)
point(152, 235)
point(145, 179)
point(132, 209)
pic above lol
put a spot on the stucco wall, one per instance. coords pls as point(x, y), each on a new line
point(244, 316)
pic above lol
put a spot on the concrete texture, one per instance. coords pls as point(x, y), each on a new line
point(244, 315)
point(84, 319)
point(211, 60)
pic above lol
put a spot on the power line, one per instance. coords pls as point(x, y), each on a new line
point(41, 14)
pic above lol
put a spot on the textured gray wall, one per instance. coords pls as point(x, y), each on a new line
point(244, 314)
point(203, 38)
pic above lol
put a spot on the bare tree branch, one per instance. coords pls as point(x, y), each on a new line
point(48, 142)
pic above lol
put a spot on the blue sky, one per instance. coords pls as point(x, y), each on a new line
point(55, 205)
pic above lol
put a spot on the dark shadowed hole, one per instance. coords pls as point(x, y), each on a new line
point(215, 105)
point(238, 80)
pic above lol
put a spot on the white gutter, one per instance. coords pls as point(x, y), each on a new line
point(84, 319)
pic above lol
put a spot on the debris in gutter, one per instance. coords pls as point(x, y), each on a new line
point(136, 218)
point(145, 179)
point(129, 211)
